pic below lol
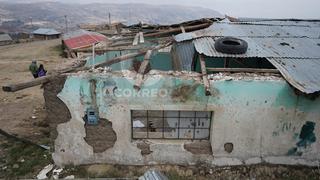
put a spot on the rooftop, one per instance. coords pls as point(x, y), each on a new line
point(293, 47)
point(45, 31)
point(5, 37)
point(82, 38)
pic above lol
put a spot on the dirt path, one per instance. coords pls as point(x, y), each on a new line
point(22, 112)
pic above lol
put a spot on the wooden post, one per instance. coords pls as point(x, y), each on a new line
point(141, 39)
point(135, 40)
point(204, 75)
point(182, 29)
point(142, 70)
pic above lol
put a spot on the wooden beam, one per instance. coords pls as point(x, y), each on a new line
point(252, 70)
point(141, 38)
point(178, 30)
point(142, 70)
point(23, 140)
point(41, 80)
point(135, 40)
point(204, 75)
point(119, 43)
point(28, 84)
point(182, 29)
point(102, 50)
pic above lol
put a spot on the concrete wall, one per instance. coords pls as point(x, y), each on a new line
point(260, 116)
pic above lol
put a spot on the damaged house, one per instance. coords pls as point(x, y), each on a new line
point(234, 93)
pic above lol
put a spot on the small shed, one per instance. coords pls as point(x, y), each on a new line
point(5, 39)
point(46, 34)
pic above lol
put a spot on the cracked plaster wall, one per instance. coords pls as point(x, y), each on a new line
point(262, 118)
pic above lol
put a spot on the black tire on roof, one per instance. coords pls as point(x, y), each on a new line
point(231, 45)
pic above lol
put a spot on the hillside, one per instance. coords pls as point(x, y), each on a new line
point(52, 13)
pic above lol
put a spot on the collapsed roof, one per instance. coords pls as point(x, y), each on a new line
point(293, 48)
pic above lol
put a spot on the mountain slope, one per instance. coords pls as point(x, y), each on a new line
point(53, 13)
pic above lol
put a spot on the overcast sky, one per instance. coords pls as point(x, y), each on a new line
point(247, 8)
point(240, 8)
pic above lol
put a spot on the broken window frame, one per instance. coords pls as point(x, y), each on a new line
point(163, 127)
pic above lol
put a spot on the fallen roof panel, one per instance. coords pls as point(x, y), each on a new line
point(303, 74)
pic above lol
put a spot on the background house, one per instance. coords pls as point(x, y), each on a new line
point(46, 34)
point(5, 39)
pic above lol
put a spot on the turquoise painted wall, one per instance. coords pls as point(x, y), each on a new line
point(159, 61)
point(260, 117)
point(273, 94)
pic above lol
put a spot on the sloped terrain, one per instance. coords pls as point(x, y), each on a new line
point(52, 14)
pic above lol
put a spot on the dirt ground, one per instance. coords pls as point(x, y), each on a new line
point(22, 113)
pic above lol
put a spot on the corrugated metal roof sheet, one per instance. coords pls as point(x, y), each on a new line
point(286, 23)
point(184, 53)
point(295, 22)
point(81, 39)
point(303, 74)
point(265, 47)
point(252, 30)
point(294, 50)
point(5, 37)
point(45, 31)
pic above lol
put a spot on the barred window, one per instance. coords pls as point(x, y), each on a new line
point(147, 124)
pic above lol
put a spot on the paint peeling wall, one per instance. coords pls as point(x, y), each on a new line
point(255, 118)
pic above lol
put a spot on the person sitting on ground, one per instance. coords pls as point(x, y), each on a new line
point(33, 68)
point(41, 71)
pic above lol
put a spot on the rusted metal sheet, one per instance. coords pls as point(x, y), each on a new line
point(303, 74)
point(82, 39)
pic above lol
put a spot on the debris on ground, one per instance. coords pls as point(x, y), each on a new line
point(43, 173)
point(153, 175)
point(56, 173)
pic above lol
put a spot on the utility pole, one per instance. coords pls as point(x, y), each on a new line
point(31, 22)
point(109, 19)
point(66, 21)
